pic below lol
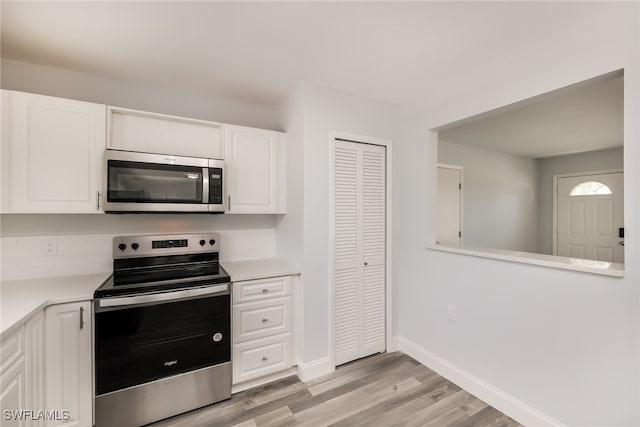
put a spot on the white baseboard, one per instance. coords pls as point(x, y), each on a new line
point(489, 394)
point(315, 369)
point(236, 388)
point(395, 344)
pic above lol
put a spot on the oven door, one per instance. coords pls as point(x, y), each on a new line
point(142, 182)
point(144, 338)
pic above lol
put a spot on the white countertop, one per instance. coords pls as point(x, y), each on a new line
point(605, 268)
point(258, 269)
point(19, 299)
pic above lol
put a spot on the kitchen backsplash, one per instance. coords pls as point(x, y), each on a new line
point(30, 257)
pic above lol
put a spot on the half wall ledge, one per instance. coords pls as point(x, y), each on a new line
point(604, 268)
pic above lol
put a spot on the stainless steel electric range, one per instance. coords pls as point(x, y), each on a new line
point(162, 329)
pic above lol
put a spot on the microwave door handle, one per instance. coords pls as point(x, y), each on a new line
point(205, 185)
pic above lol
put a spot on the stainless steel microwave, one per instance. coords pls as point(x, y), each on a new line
point(144, 182)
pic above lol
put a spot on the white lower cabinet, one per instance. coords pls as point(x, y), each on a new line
point(257, 358)
point(13, 394)
point(68, 375)
point(22, 374)
point(34, 365)
point(262, 338)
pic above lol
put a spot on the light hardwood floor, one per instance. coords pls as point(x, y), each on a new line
point(389, 389)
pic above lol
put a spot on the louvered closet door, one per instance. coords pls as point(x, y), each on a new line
point(360, 200)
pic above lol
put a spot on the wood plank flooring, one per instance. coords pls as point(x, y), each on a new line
point(389, 389)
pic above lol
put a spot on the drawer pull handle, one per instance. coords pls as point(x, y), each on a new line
point(265, 358)
point(265, 320)
point(264, 291)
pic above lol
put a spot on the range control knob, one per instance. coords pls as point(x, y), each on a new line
point(122, 246)
point(135, 246)
point(212, 242)
point(202, 242)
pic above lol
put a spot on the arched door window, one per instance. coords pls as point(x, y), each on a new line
point(590, 188)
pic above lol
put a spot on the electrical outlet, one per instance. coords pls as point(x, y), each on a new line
point(451, 313)
point(50, 247)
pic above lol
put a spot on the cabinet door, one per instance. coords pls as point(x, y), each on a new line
point(34, 364)
point(13, 395)
point(133, 130)
point(255, 161)
point(56, 151)
point(68, 377)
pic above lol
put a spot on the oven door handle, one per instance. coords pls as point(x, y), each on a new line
point(163, 297)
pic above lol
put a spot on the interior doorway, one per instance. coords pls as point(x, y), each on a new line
point(449, 205)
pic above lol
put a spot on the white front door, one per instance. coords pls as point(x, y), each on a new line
point(590, 211)
point(449, 205)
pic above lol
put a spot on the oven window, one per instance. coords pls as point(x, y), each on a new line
point(153, 183)
point(140, 344)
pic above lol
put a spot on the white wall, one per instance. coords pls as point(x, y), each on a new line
point(500, 197)
point(26, 77)
point(290, 230)
point(314, 111)
point(565, 343)
point(84, 240)
point(573, 163)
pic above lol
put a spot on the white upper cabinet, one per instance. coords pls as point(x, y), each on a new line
point(54, 152)
point(145, 132)
point(255, 170)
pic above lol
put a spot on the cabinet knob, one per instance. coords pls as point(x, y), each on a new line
point(264, 291)
point(265, 320)
point(265, 358)
point(366, 263)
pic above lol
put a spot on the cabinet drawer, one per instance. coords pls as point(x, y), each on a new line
point(260, 289)
point(261, 318)
point(261, 357)
point(11, 348)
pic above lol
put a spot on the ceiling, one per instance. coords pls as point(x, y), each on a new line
point(259, 52)
point(585, 117)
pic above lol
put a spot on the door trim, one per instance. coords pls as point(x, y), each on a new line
point(554, 230)
point(360, 139)
point(461, 213)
